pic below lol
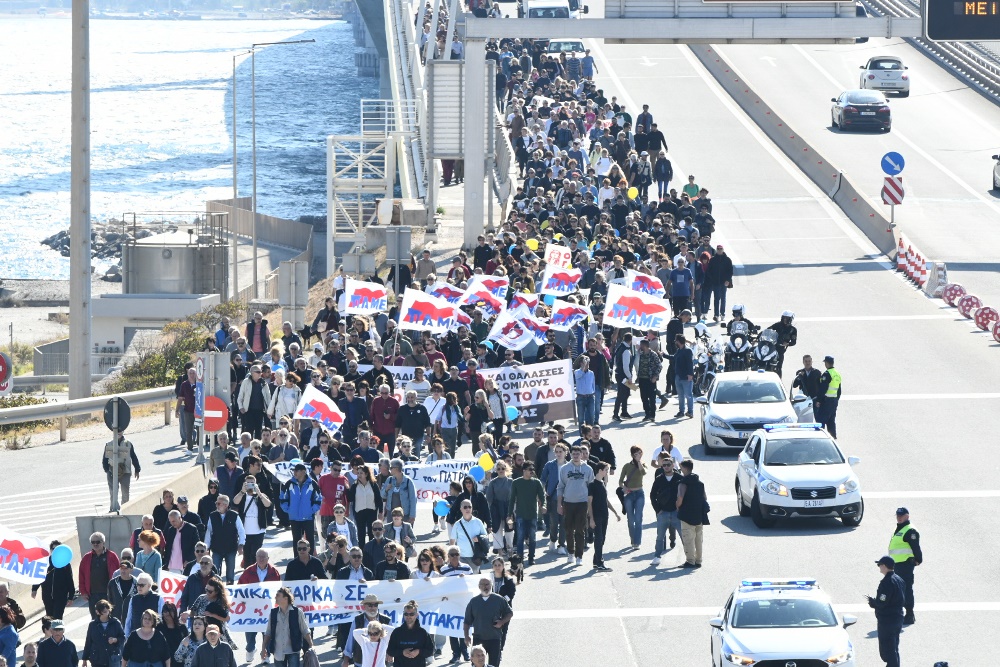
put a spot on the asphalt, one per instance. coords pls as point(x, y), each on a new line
point(919, 409)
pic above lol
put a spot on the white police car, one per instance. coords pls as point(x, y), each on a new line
point(780, 622)
point(740, 402)
point(796, 470)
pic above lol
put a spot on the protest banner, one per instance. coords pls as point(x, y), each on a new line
point(541, 392)
point(529, 301)
point(171, 586)
point(645, 283)
point(431, 480)
point(560, 281)
point(496, 285)
point(627, 308)
point(364, 298)
point(510, 332)
point(441, 601)
point(23, 558)
point(558, 255)
point(314, 404)
point(567, 315)
point(445, 291)
point(400, 376)
point(537, 327)
point(423, 312)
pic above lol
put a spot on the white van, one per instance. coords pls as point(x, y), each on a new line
point(551, 9)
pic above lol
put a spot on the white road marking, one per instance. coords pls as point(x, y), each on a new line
point(918, 397)
point(709, 612)
point(900, 495)
point(739, 275)
point(793, 238)
point(96, 485)
point(877, 318)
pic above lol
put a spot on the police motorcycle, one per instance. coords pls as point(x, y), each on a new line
point(737, 355)
point(709, 359)
point(764, 356)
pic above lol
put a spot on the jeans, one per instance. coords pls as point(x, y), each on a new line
point(598, 402)
point(685, 394)
point(575, 517)
point(418, 444)
point(230, 559)
point(634, 503)
point(719, 304)
point(306, 529)
point(250, 547)
point(525, 528)
point(663, 188)
point(621, 400)
point(647, 392)
point(186, 422)
point(251, 641)
point(458, 645)
point(692, 537)
point(289, 660)
point(600, 532)
point(450, 437)
point(557, 527)
point(703, 299)
point(665, 521)
point(586, 409)
point(364, 520)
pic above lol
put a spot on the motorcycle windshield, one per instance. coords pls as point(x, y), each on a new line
point(739, 328)
point(769, 336)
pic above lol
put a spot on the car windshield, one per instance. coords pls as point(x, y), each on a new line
point(549, 13)
point(783, 613)
point(801, 452)
point(866, 97)
point(885, 64)
point(574, 5)
point(565, 46)
point(749, 392)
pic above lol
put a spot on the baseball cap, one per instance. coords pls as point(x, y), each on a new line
point(57, 624)
point(230, 456)
point(902, 510)
point(887, 561)
point(182, 499)
point(828, 359)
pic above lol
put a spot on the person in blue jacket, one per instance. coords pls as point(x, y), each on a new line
point(300, 499)
point(398, 491)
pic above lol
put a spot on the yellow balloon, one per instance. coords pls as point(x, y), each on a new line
point(486, 462)
point(633, 192)
point(532, 244)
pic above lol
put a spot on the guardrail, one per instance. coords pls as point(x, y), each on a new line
point(972, 65)
point(85, 406)
point(22, 381)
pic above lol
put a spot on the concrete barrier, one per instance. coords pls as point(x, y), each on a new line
point(117, 529)
point(830, 179)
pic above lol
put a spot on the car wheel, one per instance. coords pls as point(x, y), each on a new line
point(704, 438)
point(740, 505)
point(833, 121)
point(854, 521)
point(996, 185)
point(757, 513)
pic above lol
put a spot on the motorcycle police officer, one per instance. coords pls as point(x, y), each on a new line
point(787, 336)
point(904, 548)
point(888, 606)
point(738, 316)
point(825, 408)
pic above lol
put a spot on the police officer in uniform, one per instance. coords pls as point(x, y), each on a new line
point(825, 408)
point(904, 548)
point(888, 606)
point(788, 335)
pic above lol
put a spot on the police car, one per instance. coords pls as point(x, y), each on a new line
point(740, 402)
point(780, 622)
point(796, 470)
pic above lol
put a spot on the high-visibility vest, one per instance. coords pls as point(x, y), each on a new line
point(834, 389)
point(900, 550)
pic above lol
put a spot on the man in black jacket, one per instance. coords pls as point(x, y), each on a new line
point(354, 571)
point(691, 503)
point(807, 378)
point(719, 278)
point(181, 537)
point(888, 606)
point(304, 567)
point(663, 498)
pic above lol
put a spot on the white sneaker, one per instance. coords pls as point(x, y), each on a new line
point(561, 551)
point(250, 656)
point(579, 561)
point(655, 561)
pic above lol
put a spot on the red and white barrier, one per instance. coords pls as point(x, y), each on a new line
point(986, 317)
point(952, 293)
point(969, 304)
point(996, 332)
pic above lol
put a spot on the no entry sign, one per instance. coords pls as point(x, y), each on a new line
point(216, 414)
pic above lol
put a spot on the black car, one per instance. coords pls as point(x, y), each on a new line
point(861, 109)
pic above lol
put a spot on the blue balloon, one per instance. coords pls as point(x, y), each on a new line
point(441, 508)
point(477, 473)
point(512, 413)
point(510, 248)
point(549, 299)
point(61, 556)
point(617, 233)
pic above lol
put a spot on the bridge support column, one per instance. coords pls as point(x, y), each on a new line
point(475, 140)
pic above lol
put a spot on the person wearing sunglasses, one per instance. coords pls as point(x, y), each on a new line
point(362, 624)
point(304, 567)
point(410, 645)
point(97, 567)
point(287, 632)
point(120, 591)
point(144, 600)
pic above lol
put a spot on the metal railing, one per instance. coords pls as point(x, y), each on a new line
point(85, 406)
point(970, 61)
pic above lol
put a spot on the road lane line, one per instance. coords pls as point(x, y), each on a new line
point(900, 495)
point(95, 485)
point(919, 397)
point(709, 612)
point(878, 318)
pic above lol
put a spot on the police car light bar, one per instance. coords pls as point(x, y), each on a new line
point(793, 427)
point(773, 583)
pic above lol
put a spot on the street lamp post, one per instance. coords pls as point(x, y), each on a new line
point(234, 212)
point(253, 140)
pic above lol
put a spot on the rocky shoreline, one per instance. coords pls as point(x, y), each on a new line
point(30, 292)
point(106, 242)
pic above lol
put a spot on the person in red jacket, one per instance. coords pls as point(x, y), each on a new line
point(383, 415)
point(261, 570)
point(96, 569)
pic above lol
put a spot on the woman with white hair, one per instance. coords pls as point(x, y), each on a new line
point(143, 600)
point(285, 398)
point(374, 641)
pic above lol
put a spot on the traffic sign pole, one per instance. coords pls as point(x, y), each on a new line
point(115, 506)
